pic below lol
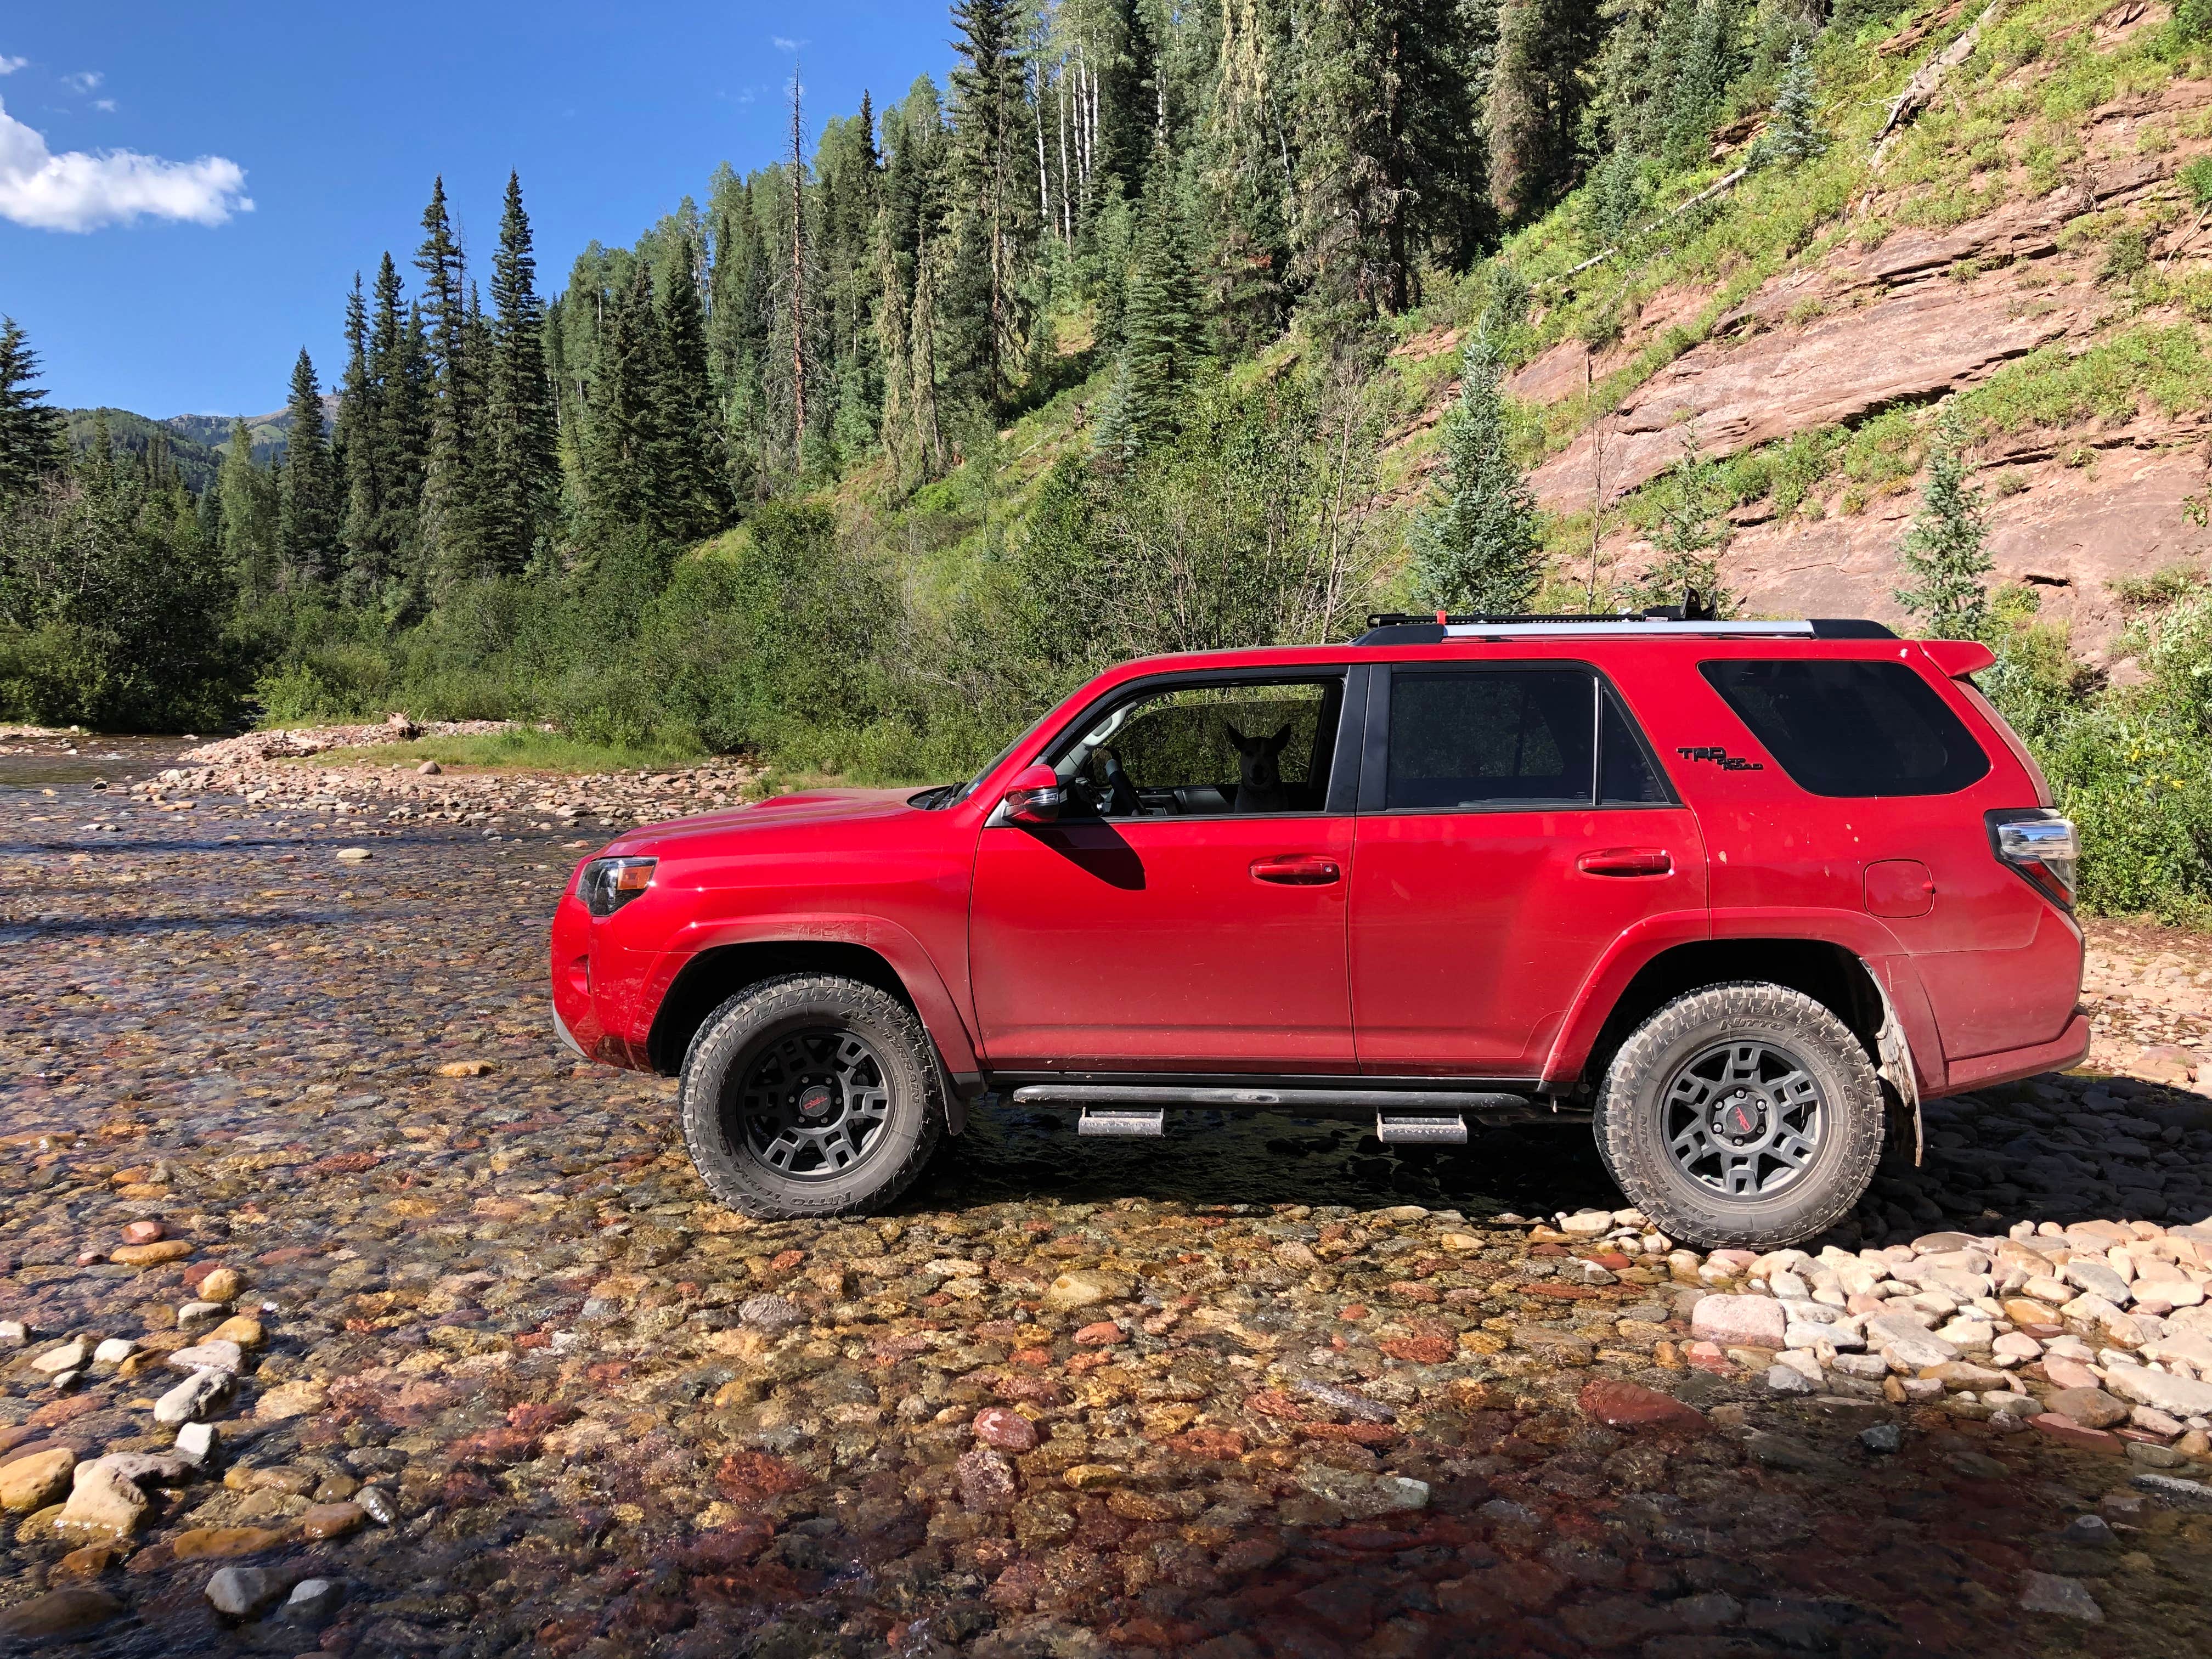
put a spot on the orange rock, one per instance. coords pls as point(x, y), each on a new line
point(152, 1255)
point(332, 1520)
point(89, 1562)
point(213, 1543)
point(466, 1069)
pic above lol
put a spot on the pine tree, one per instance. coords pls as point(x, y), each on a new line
point(693, 492)
point(33, 438)
point(1945, 556)
point(449, 525)
point(1537, 93)
point(1793, 132)
point(990, 118)
point(1478, 548)
point(1692, 501)
point(307, 519)
point(1247, 171)
point(522, 495)
point(355, 445)
point(622, 453)
point(1160, 325)
point(1381, 102)
point(249, 518)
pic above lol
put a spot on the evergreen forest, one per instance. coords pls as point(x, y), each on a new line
point(1110, 343)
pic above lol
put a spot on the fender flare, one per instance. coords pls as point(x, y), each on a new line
point(905, 955)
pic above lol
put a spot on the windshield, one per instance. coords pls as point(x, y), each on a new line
point(955, 797)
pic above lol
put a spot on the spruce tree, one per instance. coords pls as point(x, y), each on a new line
point(249, 519)
point(307, 519)
point(1793, 132)
point(1381, 104)
point(450, 523)
point(1160, 325)
point(990, 122)
point(523, 495)
point(692, 486)
point(355, 452)
point(623, 453)
point(1536, 96)
point(33, 438)
point(1692, 529)
point(1945, 554)
point(1479, 547)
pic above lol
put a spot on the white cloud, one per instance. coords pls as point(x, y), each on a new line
point(83, 80)
point(106, 106)
point(10, 65)
point(783, 45)
point(80, 190)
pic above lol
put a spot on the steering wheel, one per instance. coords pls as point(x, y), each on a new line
point(1126, 805)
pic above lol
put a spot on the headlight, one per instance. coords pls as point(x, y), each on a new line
point(610, 883)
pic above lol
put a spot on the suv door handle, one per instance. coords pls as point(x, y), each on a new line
point(1627, 861)
point(1297, 870)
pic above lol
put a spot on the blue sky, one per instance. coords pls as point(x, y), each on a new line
point(151, 127)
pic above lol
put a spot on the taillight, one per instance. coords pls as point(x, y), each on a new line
point(2042, 846)
point(610, 883)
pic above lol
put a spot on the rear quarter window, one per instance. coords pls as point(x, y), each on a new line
point(1853, 728)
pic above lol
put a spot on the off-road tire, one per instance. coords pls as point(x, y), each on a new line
point(1632, 1111)
point(738, 1033)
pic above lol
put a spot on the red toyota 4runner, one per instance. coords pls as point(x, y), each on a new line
point(1740, 895)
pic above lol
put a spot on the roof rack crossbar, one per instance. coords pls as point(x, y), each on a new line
point(1400, 628)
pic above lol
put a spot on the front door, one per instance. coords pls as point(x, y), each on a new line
point(1187, 912)
point(1513, 824)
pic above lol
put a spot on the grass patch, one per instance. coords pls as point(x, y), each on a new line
point(2049, 388)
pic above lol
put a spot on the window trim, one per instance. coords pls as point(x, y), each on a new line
point(1338, 802)
point(1374, 748)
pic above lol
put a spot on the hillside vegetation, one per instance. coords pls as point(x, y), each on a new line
point(1171, 327)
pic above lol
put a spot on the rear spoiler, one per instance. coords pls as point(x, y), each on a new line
point(1956, 658)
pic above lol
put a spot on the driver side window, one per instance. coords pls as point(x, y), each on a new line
point(1239, 748)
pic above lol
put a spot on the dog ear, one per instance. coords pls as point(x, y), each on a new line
point(1281, 736)
point(1243, 743)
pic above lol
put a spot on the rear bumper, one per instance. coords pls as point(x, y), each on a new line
point(2011, 1065)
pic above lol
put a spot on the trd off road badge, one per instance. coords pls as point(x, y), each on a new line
point(1721, 757)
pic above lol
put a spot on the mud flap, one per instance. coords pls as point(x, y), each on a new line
point(1900, 1089)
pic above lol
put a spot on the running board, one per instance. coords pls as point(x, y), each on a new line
point(1120, 1121)
point(1428, 1128)
point(1430, 1114)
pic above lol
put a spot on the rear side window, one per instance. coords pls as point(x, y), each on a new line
point(1486, 739)
point(1853, 728)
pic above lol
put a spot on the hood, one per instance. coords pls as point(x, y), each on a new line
point(810, 808)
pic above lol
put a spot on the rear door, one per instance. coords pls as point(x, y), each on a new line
point(1513, 824)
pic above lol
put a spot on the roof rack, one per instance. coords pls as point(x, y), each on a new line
point(1402, 627)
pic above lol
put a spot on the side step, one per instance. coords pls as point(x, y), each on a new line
point(1435, 1116)
point(1121, 1121)
point(1431, 1129)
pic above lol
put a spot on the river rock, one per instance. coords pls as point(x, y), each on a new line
point(104, 1500)
point(32, 1483)
point(197, 1395)
point(1908, 1343)
point(1083, 1287)
point(2092, 1407)
point(2178, 1395)
point(300, 1398)
point(58, 1614)
point(2045, 1592)
point(1363, 1496)
point(242, 1592)
point(208, 1356)
point(1742, 1321)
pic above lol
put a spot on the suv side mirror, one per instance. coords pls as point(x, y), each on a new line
point(1035, 796)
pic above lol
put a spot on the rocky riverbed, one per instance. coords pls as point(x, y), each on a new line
point(341, 1311)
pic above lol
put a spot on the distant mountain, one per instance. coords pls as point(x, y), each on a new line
point(197, 443)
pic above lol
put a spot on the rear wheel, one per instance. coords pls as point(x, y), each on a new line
point(1742, 1115)
point(810, 1094)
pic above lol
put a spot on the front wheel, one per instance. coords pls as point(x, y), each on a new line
point(810, 1096)
point(1742, 1115)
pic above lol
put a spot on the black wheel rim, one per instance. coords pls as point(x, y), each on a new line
point(812, 1104)
point(1744, 1119)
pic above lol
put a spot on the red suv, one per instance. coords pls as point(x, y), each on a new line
point(1738, 894)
